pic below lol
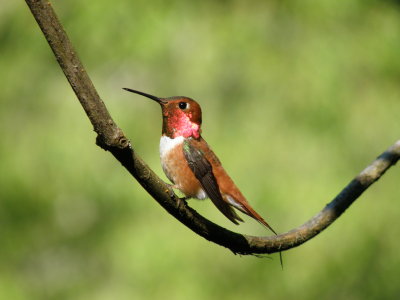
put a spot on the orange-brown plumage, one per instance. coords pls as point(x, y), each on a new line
point(226, 185)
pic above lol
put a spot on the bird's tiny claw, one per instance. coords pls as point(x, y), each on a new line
point(170, 191)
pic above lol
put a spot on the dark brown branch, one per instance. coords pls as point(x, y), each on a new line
point(112, 139)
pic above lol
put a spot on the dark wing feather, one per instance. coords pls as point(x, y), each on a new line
point(202, 170)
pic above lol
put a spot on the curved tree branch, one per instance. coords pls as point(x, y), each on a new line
point(112, 139)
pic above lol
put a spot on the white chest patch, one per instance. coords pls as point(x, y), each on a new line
point(169, 166)
point(167, 144)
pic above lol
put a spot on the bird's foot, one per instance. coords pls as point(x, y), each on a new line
point(170, 190)
point(181, 200)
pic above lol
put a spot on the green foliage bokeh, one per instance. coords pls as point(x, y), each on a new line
point(297, 98)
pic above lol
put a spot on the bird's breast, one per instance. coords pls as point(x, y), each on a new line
point(176, 168)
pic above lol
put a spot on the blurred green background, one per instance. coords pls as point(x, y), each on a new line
point(297, 97)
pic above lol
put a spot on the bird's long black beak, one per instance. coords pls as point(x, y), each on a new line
point(157, 99)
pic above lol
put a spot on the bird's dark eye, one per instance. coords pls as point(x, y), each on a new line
point(183, 105)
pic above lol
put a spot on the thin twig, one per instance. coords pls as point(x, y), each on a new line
point(111, 138)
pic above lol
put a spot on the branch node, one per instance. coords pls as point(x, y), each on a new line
point(117, 140)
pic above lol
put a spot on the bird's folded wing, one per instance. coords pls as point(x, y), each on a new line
point(202, 170)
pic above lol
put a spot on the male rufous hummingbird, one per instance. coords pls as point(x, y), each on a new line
point(189, 162)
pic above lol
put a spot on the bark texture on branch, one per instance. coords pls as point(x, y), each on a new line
point(111, 138)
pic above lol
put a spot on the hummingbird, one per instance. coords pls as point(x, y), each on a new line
point(190, 164)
